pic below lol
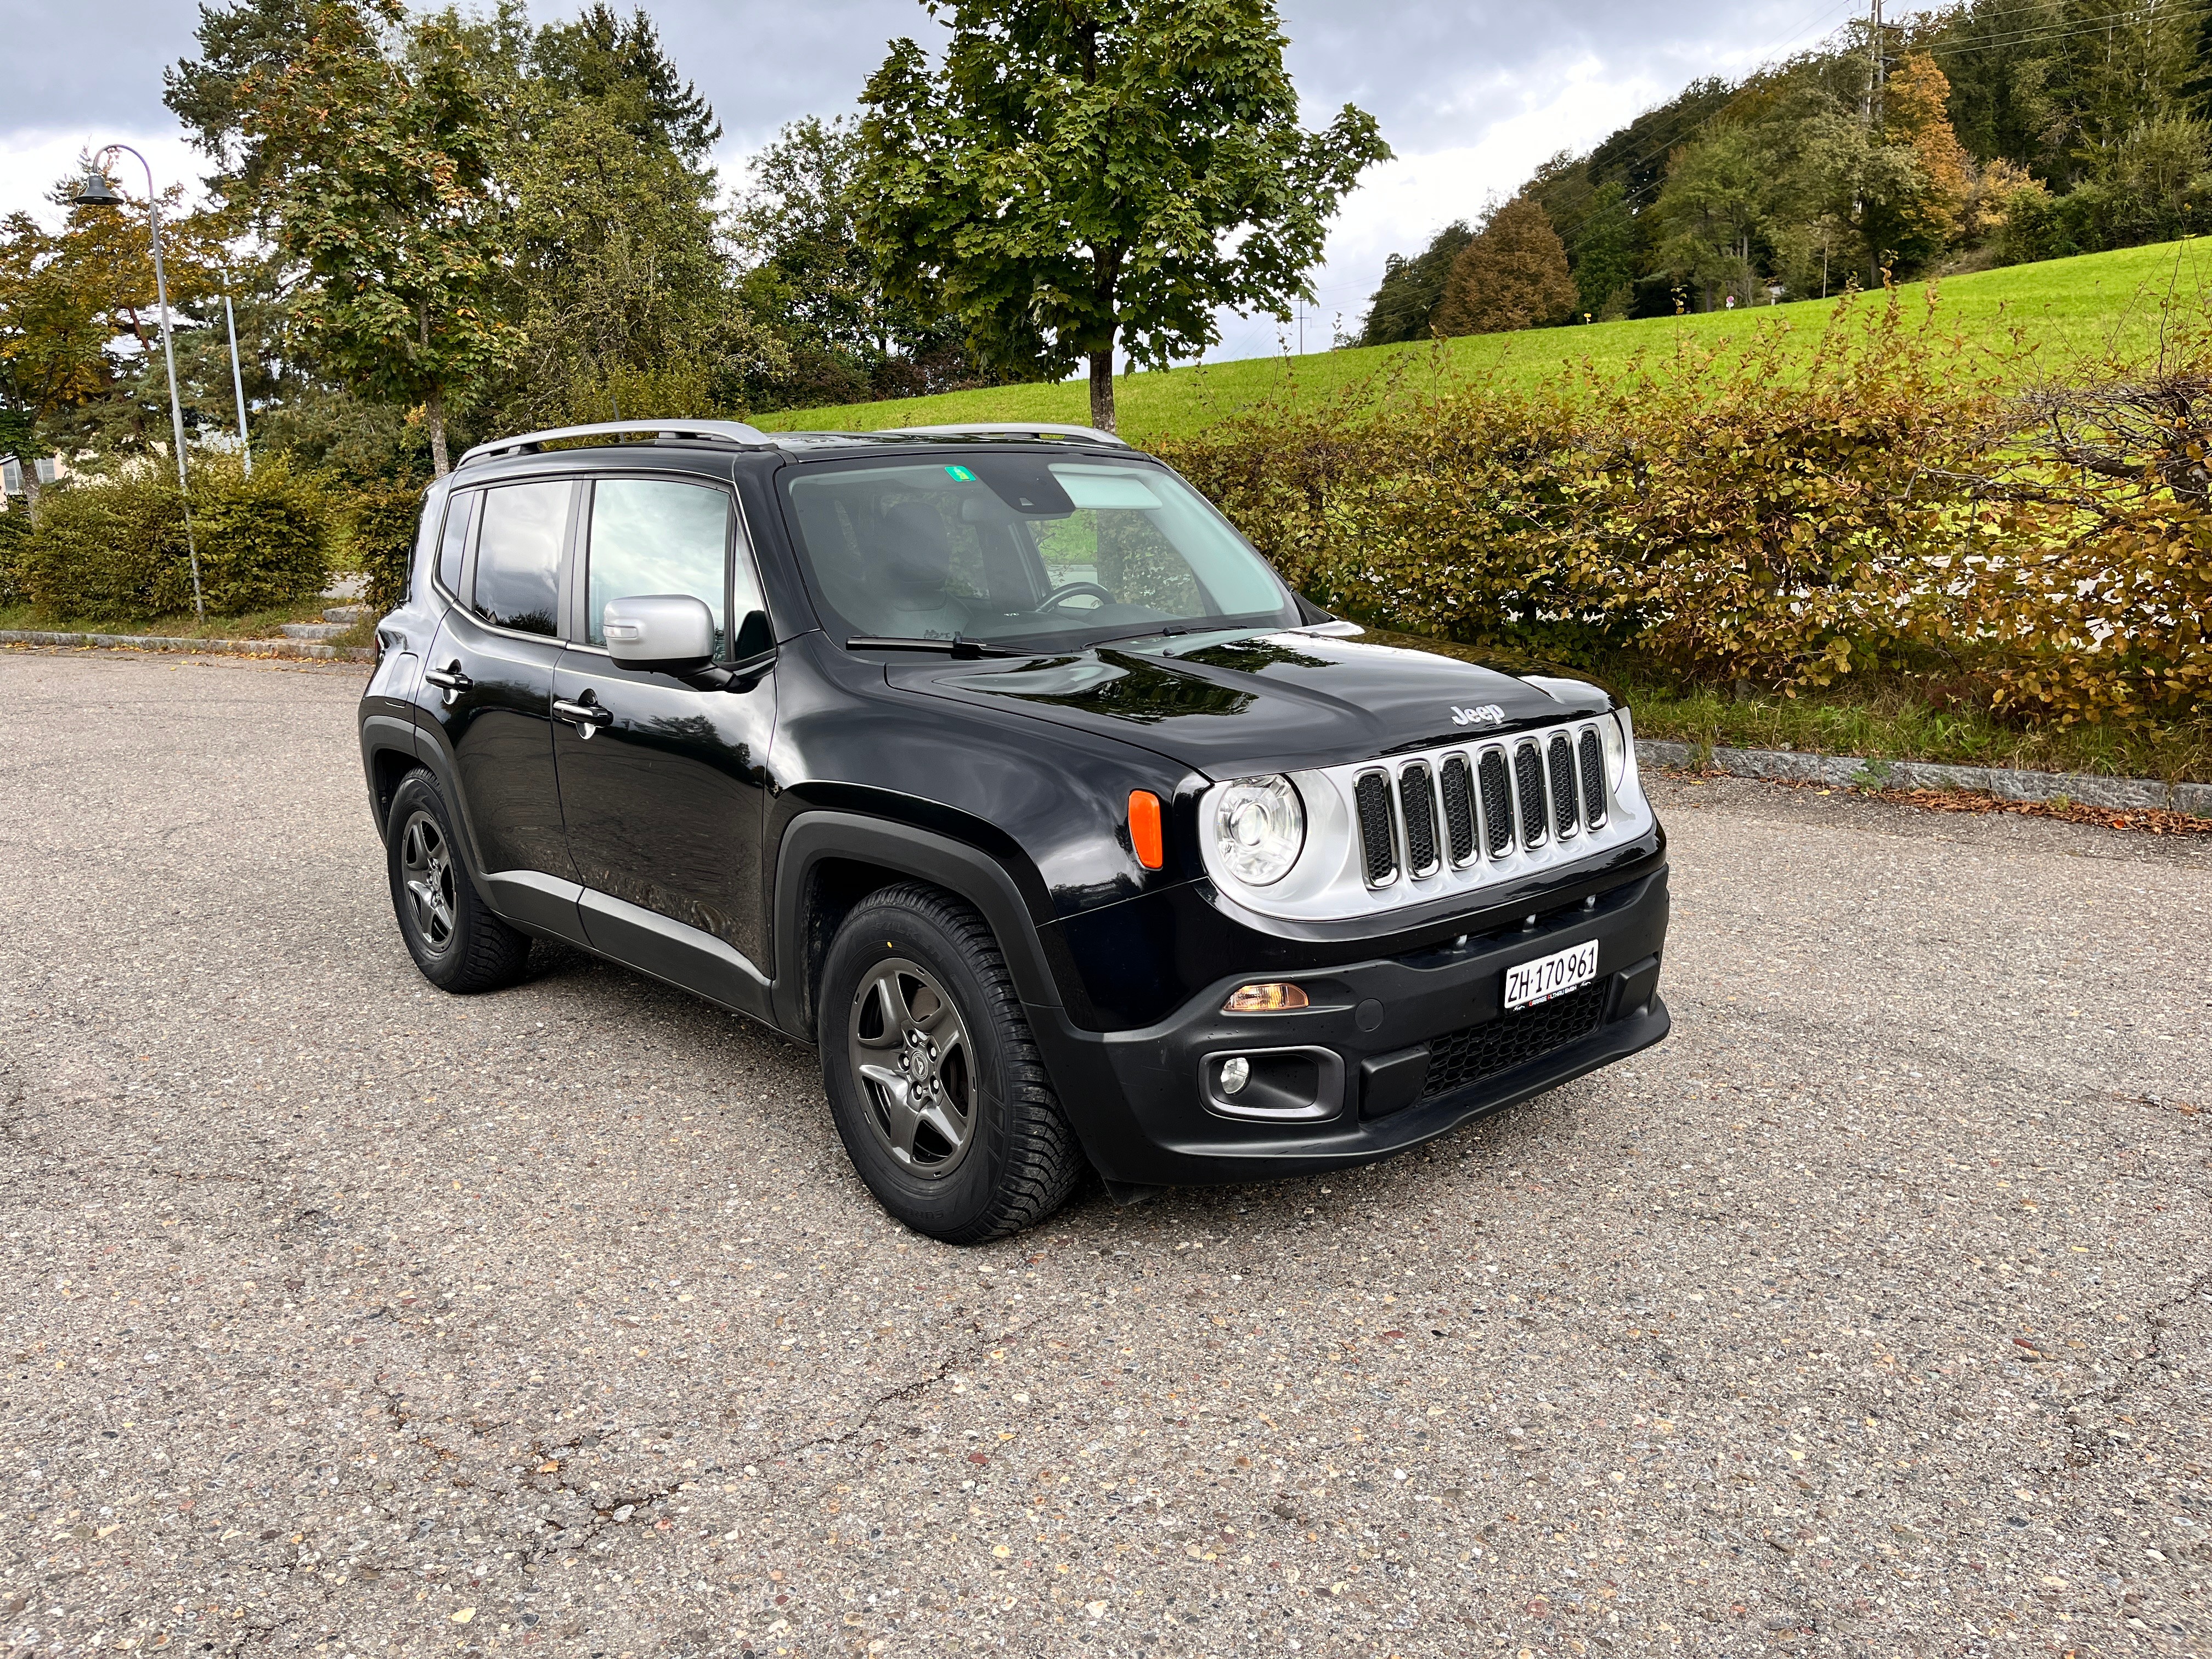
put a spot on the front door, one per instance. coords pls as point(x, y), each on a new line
point(663, 784)
point(491, 663)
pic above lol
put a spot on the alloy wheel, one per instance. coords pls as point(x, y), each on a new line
point(916, 1067)
point(425, 870)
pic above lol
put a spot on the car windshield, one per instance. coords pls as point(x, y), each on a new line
point(1025, 551)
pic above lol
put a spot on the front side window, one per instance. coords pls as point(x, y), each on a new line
point(1025, 551)
point(518, 582)
point(656, 536)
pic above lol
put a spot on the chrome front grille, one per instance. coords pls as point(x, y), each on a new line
point(1452, 779)
point(1378, 846)
point(1496, 802)
point(1501, 801)
point(1528, 786)
point(1559, 761)
point(1591, 754)
point(1417, 804)
point(1449, 821)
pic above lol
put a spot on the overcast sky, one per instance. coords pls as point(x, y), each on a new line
point(1471, 93)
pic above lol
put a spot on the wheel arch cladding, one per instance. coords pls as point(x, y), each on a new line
point(830, 861)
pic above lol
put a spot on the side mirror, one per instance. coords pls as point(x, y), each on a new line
point(672, 632)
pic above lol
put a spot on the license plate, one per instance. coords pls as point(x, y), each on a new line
point(1551, 976)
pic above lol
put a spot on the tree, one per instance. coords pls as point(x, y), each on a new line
point(1412, 289)
point(367, 152)
point(1914, 106)
point(1090, 171)
point(622, 67)
point(79, 336)
point(1513, 275)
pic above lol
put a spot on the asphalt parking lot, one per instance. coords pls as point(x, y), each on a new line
point(1870, 1315)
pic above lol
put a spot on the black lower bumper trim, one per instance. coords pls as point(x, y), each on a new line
point(1443, 1051)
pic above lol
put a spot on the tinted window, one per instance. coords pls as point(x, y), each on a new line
point(460, 512)
point(1025, 550)
point(652, 536)
point(519, 555)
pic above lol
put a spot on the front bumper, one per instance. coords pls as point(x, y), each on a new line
point(1140, 1099)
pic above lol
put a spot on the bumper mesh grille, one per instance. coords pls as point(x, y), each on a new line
point(1593, 765)
point(1496, 804)
point(1459, 808)
point(1513, 1039)
point(1528, 784)
point(1417, 801)
point(1377, 849)
point(1563, 786)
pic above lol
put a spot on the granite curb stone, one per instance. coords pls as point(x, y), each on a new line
point(2006, 783)
point(163, 643)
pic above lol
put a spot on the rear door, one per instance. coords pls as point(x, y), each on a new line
point(492, 664)
point(663, 781)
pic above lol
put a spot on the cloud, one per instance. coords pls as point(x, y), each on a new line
point(1471, 93)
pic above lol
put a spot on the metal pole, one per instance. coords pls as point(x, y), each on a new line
point(237, 381)
point(169, 357)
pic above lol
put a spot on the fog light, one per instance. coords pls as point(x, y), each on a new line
point(1274, 998)
point(1235, 1074)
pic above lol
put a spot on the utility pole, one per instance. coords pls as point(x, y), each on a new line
point(1876, 66)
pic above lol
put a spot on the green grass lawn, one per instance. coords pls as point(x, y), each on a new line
point(2068, 313)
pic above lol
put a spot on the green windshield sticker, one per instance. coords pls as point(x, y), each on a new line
point(960, 473)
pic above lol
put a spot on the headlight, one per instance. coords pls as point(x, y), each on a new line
point(1258, 829)
point(1612, 733)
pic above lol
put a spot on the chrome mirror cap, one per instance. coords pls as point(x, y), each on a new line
point(671, 631)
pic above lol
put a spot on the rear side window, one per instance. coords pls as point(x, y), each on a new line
point(654, 535)
point(519, 555)
point(460, 513)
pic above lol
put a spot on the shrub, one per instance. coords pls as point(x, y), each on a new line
point(264, 541)
point(383, 521)
point(114, 550)
point(101, 549)
point(14, 530)
point(1886, 509)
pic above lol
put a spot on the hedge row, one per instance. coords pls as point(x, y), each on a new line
point(1899, 505)
point(114, 550)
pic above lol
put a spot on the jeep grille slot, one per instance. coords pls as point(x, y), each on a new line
point(1459, 808)
point(1496, 802)
point(1562, 762)
point(1593, 764)
point(1377, 845)
point(1417, 801)
point(1528, 784)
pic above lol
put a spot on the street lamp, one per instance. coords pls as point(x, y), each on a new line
point(96, 191)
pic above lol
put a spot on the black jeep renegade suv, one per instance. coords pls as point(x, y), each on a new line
point(995, 765)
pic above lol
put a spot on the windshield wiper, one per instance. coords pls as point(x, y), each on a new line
point(958, 649)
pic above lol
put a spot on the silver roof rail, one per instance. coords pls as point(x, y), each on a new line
point(1012, 429)
point(728, 432)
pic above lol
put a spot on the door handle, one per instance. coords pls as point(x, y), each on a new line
point(451, 681)
point(585, 716)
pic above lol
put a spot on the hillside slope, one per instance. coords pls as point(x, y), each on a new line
point(2066, 310)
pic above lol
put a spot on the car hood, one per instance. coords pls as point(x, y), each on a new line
point(1266, 703)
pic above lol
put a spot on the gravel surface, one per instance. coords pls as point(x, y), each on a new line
point(1869, 1314)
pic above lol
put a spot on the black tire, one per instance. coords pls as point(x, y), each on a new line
point(1019, 1159)
point(455, 939)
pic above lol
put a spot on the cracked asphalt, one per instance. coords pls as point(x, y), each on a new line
point(1868, 1316)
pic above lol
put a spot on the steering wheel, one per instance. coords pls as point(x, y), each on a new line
point(1073, 590)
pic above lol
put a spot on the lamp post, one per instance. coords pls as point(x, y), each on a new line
point(237, 381)
point(96, 191)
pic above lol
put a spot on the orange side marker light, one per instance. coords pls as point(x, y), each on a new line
point(1145, 836)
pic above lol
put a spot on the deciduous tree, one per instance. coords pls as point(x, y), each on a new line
point(365, 148)
point(1090, 173)
point(1513, 275)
